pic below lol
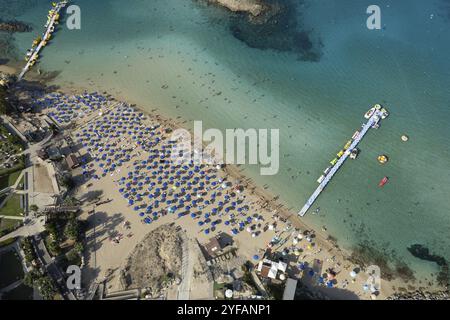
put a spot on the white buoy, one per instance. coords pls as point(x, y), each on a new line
point(405, 138)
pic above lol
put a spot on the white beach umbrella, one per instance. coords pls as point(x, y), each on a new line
point(229, 293)
point(353, 274)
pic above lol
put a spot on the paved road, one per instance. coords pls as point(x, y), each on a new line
point(187, 270)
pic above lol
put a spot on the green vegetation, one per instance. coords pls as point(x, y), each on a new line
point(9, 225)
point(11, 268)
point(67, 182)
point(7, 242)
point(36, 277)
point(275, 290)
point(4, 106)
point(247, 277)
point(9, 180)
point(219, 286)
point(12, 207)
point(20, 165)
point(10, 161)
point(34, 208)
point(40, 280)
point(64, 239)
point(27, 247)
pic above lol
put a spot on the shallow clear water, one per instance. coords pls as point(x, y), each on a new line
point(133, 48)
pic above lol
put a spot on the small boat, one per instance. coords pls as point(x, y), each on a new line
point(340, 153)
point(354, 153)
point(369, 113)
point(355, 135)
point(382, 159)
point(383, 181)
point(325, 172)
point(334, 161)
point(384, 113)
point(321, 178)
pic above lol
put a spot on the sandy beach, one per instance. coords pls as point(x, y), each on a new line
point(117, 226)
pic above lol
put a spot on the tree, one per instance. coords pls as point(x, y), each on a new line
point(71, 230)
point(78, 247)
point(51, 229)
point(31, 277)
point(46, 287)
point(34, 208)
point(3, 103)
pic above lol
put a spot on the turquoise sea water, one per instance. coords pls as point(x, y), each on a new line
point(134, 48)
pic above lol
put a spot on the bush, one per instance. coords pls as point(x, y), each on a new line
point(46, 287)
point(71, 231)
point(11, 229)
point(7, 242)
point(28, 250)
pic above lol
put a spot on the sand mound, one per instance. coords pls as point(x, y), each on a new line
point(155, 263)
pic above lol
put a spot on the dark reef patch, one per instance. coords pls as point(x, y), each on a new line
point(278, 28)
point(14, 26)
point(281, 31)
point(421, 252)
point(366, 254)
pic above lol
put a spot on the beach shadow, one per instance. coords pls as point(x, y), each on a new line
point(88, 275)
point(105, 228)
point(90, 196)
point(338, 294)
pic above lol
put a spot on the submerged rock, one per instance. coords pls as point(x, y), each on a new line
point(423, 253)
point(272, 24)
point(420, 295)
point(14, 26)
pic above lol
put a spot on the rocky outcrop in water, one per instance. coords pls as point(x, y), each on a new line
point(272, 25)
point(423, 253)
point(253, 7)
point(420, 295)
point(14, 26)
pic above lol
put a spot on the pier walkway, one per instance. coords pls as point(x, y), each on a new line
point(36, 51)
point(365, 128)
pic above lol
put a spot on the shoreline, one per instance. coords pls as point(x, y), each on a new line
point(260, 192)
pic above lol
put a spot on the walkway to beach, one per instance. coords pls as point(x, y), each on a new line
point(47, 33)
point(377, 115)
